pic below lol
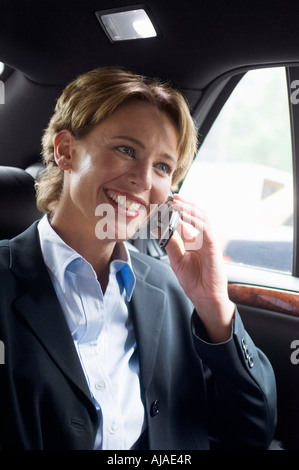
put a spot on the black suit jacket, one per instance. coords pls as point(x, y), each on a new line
point(192, 391)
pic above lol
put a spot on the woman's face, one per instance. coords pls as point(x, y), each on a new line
point(120, 168)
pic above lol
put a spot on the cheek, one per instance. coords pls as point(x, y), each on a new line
point(81, 166)
point(81, 180)
point(88, 168)
point(160, 191)
point(159, 194)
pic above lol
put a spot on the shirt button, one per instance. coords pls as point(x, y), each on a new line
point(100, 385)
point(113, 428)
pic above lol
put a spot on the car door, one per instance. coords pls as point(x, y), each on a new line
point(246, 176)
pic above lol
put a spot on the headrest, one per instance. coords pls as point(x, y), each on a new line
point(17, 201)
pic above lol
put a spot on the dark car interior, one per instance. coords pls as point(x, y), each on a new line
point(202, 47)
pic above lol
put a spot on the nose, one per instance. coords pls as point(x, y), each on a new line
point(141, 175)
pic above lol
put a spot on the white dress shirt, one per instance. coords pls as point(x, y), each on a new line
point(103, 334)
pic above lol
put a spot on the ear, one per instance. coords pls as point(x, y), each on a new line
point(62, 149)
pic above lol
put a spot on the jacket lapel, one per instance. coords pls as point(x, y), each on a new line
point(148, 309)
point(39, 306)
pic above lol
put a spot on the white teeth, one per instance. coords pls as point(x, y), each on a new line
point(124, 202)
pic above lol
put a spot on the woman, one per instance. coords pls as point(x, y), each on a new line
point(107, 348)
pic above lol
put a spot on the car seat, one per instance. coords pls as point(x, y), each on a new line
point(17, 201)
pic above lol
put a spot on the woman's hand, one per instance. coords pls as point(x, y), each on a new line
point(197, 261)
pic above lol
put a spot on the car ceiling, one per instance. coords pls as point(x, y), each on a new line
point(48, 43)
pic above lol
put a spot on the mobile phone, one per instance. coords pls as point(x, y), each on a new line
point(164, 221)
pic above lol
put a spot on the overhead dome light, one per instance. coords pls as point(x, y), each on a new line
point(126, 25)
point(2, 67)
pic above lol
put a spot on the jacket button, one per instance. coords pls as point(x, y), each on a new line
point(155, 408)
point(248, 357)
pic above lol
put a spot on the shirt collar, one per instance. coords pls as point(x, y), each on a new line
point(58, 256)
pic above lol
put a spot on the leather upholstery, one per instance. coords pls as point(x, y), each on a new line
point(17, 201)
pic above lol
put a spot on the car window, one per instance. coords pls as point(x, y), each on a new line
point(242, 175)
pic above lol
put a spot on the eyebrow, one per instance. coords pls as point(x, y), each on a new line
point(138, 142)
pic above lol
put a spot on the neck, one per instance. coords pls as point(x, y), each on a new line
point(97, 252)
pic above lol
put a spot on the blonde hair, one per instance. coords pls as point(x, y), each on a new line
point(93, 97)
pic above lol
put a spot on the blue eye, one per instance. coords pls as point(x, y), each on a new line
point(126, 150)
point(164, 168)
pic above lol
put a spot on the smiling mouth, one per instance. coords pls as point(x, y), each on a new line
point(123, 202)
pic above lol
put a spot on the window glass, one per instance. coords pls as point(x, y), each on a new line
point(242, 175)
